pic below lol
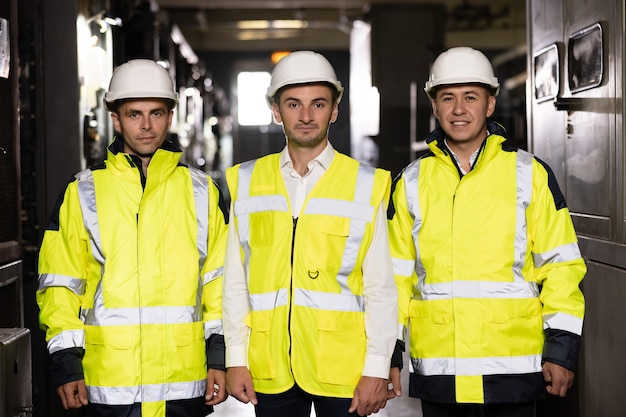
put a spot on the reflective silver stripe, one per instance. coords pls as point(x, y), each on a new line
point(213, 275)
point(563, 253)
point(403, 267)
point(200, 184)
point(146, 393)
point(500, 365)
point(411, 184)
point(55, 280)
point(360, 212)
point(87, 199)
point(260, 203)
point(212, 327)
point(524, 180)
point(269, 300)
point(479, 289)
point(332, 207)
point(329, 301)
point(243, 220)
point(563, 321)
point(67, 339)
point(100, 316)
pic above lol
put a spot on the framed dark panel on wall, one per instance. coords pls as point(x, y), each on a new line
point(546, 67)
point(585, 58)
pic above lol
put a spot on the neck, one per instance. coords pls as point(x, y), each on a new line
point(301, 156)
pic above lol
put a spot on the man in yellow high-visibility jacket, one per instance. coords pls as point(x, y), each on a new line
point(131, 268)
point(310, 304)
point(485, 257)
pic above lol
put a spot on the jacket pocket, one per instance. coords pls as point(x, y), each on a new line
point(259, 352)
point(341, 347)
point(432, 329)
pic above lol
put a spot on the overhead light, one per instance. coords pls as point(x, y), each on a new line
point(271, 24)
point(278, 55)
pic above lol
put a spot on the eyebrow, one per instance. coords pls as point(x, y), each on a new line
point(312, 100)
point(134, 110)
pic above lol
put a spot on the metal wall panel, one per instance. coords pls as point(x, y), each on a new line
point(9, 134)
point(580, 134)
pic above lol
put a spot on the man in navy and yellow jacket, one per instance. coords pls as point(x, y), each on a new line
point(485, 258)
point(131, 269)
point(310, 305)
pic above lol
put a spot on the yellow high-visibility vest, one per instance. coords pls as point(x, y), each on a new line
point(305, 279)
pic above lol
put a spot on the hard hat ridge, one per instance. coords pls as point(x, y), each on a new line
point(140, 78)
point(301, 67)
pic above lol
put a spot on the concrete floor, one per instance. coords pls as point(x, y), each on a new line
point(398, 407)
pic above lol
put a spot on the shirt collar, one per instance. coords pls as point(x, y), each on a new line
point(324, 159)
point(473, 156)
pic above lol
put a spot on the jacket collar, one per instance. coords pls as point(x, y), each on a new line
point(497, 135)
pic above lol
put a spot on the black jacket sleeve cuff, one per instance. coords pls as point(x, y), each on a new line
point(216, 352)
point(561, 347)
point(66, 366)
point(396, 357)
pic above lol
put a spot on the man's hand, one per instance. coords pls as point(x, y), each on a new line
point(559, 378)
point(73, 394)
point(239, 384)
point(370, 395)
point(215, 387)
point(396, 386)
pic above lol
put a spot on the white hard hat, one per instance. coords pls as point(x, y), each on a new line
point(140, 78)
point(302, 67)
point(461, 65)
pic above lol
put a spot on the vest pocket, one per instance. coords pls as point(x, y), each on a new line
point(259, 351)
point(341, 347)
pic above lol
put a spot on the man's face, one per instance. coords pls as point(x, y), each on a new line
point(143, 125)
point(306, 112)
point(462, 111)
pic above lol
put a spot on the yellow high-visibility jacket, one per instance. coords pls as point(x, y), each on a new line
point(305, 279)
point(484, 263)
point(131, 276)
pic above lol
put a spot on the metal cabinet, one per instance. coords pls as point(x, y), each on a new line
point(15, 373)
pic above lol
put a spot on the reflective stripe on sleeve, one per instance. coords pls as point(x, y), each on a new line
point(65, 340)
point(563, 321)
point(563, 253)
point(77, 285)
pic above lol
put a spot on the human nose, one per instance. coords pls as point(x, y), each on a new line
point(145, 123)
point(305, 115)
point(459, 107)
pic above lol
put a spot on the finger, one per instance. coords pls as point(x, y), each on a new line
point(214, 396)
point(252, 395)
point(397, 385)
point(61, 393)
point(82, 394)
point(547, 375)
point(241, 396)
point(354, 404)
